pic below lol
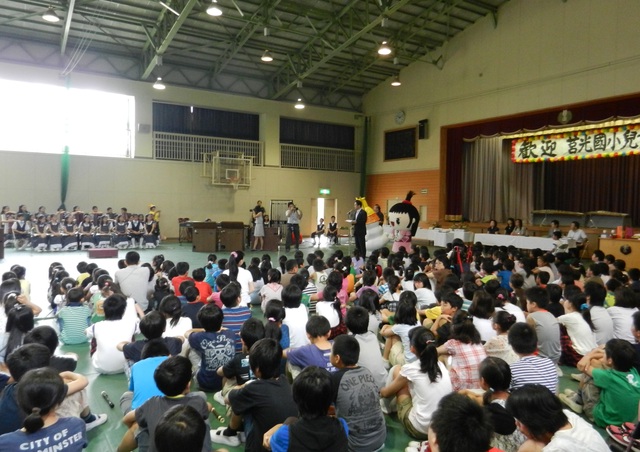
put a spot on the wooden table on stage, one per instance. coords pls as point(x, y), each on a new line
point(612, 246)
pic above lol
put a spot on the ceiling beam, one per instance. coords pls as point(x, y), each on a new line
point(168, 37)
point(67, 27)
point(344, 45)
point(241, 39)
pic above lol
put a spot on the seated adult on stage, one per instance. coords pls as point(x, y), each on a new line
point(511, 224)
point(555, 226)
point(577, 234)
point(493, 227)
point(519, 228)
point(319, 232)
point(332, 233)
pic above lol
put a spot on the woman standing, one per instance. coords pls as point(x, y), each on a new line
point(258, 228)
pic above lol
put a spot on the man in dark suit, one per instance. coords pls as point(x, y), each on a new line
point(360, 228)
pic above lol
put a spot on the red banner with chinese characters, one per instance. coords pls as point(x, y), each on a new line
point(594, 143)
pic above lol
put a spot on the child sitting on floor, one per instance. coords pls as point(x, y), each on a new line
point(611, 395)
point(173, 378)
point(317, 353)
point(396, 347)
point(466, 351)
point(214, 344)
point(312, 393)
point(418, 386)
point(73, 318)
point(114, 329)
point(362, 413)
point(40, 393)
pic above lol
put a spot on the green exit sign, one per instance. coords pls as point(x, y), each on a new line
point(325, 191)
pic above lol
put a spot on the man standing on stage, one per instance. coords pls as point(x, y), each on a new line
point(360, 228)
point(293, 225)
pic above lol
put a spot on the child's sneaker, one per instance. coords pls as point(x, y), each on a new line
point(571, 402)
point(218, 437)
point(217, 397)
point(98, 420)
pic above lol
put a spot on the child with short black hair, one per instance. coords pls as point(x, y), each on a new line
point(370, 355)
point(205, 290)
point(546, 325)
point(152, 326)
point(182, 268)
point(142, 386)
point(362, 413)
point(297, 315)
point(193, 305)
point(74, 318)
point(531, 367)
point(235, 314)
point(180, 428)
point(214, 344)
point(47, 336)
point(173, 378)
point(267, 400)
point(610, 391)
point(312, 392)
point(450, 304)
point(317, 353)
point(114, 329)
point(473, 432)
point(237, 371)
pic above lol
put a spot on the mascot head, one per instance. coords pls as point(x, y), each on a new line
point(404, 215)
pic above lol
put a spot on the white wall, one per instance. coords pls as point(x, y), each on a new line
point(543, 54)
point(176, 188)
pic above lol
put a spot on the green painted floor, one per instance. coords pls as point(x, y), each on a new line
point(107, 437)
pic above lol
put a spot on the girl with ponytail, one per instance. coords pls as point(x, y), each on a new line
point(39, 393)
point(240, 275)
point(419, 385)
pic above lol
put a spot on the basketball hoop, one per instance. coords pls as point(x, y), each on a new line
point(234, 181)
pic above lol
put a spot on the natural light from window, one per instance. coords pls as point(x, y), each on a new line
point(45, 118)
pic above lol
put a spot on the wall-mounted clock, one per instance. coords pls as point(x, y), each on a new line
point(400, 117)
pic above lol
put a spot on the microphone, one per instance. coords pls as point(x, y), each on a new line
point(105, 396)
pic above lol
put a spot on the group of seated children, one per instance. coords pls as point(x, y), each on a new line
point(342, 343)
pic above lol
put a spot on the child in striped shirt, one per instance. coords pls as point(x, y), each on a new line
point(74, 318)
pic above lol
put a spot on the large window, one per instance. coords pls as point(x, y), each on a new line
point(310, 133)
point(189, 120)
point(44, 118)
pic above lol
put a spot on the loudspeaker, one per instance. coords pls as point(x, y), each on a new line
point(423, 129)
